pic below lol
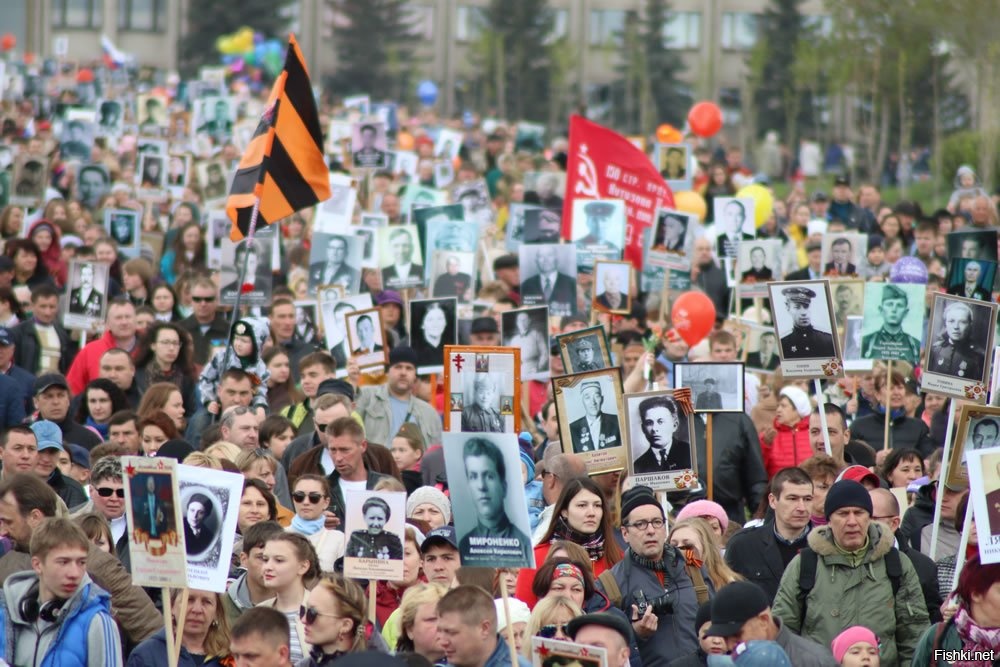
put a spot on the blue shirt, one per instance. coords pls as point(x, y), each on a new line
point(400, 414)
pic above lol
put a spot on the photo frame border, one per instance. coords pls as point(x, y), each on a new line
point(741, 384)
point(602, 460)
point(813, 367)
point(628, 288)
point(564, 340)
point(973, 390)
point(351, 342)
point(690, 476)
point(474, 350)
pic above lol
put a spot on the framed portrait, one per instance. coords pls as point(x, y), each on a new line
point(984, 494)
point(671, 239)
point(93, 184)
point(589, 407)
point(973, 244)
point(848, 300)
point(110, 118)
point(358, 104)
point(335, 259)
point(214, 181)
point(556, 653)
point(842, 253)
point(659, 427)
point(448, 143)
point(214, 115)
point(550, 186)
point(151, 114)
point(374, 219)
point(453, 274)
point(715, 387)
point(334, 215)
point(487, 499)
point(805, 328)
point(514, 231)
point(978, 427)
point(549, 276)
point(438, 215)
point(406, 164)
point(374, 524)
point(597, 230)
point(482, 386)
point(86, 303)
point(124, 226)
point(77, 140)
point(528, 329)
point(673, 162)
point(369, 145)
point(612, 293)
point(758, 263)
point(421, 196)
point(178, 170)
point(307, 322)
point(367, 238)
point(150, 145)
point(153, 514)
point(759, 346)
point(334, 310)
point(448, 234)
point(216, 232)
point(209, 501)
point(734, 222)
point(893, 321)
point(474, 197)
point(584, 350)
point(433, 326)
point(366, 338)
point(30, 179)
point(152, 176)
point(256, 254)
point(444, 174)
point(853, 361)
point(971, 278)
point(400, 257)
point(959, 347)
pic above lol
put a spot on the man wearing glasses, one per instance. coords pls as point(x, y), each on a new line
point(206, 324)
point(107, 498)
point(653, 576)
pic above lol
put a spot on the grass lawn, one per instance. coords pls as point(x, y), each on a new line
point(921, 191)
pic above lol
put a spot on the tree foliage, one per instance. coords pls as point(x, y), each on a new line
point(207, 20)
point(375, 49)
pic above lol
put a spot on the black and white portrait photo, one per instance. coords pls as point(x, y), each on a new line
point(487, 497)
point(453, 274)
point(334, 310)
point(474, 197)
point(374, 524)
point(971, 278)
point(368, 146)
point(548, 186)
point(433, 325)
point(584, 350)
point(973, 244)
point(734, 222)
point(213, 180)
point(399, 253)
point(762, 354)
point(483, 384)
point(611, 291)
point(598, 230)
point(366, 337)
point(548, 276)
point(669, 239)
point(110, 118)
point(93, 184)
point(214, 116)
point(842, 254)
point(715, 387)
point(541, 225)
point(448, 144)
point(659, 437)
point(593, 417)
point(30, 173)
point(151, 114)
point(152, 173)
point(673, 162)
point(334, 215)
point(448, 235)
point(978, 427)
point(959, 346)
point(848, 300)
point(178, 170)
point(758, 263)
point(516, 221)
point(335, 259)
point(306, 321)
point(201, 522)
point(77, 140)
point(256, 254)
point(804, 320)
point(122, 225)
point(481, 401)
point(88, 287)
point(527, 329)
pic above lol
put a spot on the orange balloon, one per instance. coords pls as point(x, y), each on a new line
point(405, 141)
point(705, 119)
point(693, 316)
point(691, 202)
point(668, 134)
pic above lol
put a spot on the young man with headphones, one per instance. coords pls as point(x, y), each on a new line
point(55, 614)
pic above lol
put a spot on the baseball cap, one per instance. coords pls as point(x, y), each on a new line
point(5, 337)
point(484, 325)
point(760, 654)
point(859, 474)
point(734, 605)
point(389, 296)
point(335, 386)
point(48, 434)
point(50, 380)
point(442, 535)
point(79, 455)
point(842, 180)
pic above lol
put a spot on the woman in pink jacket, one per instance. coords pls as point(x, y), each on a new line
point(788, 444)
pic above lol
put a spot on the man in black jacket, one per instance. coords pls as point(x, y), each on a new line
point(709, 277)
point(50, 442)
point(208, 327)
point(814, 255)
point(34, 338)
point(52, 403)
point(740, 480)
point(762, 553)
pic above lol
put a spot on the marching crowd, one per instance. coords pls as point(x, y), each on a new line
point(799, 557)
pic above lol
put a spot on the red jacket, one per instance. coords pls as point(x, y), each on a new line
point(789, 447)
point(526, 575)
point(87, 365)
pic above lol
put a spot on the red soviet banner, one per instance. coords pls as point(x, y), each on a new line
point(602, 164)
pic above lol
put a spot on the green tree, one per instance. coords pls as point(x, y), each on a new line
point(518, 57)
point(207, 20)
point(664, 67)
point(375, 53)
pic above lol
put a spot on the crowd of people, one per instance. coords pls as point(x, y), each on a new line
point(795, 555)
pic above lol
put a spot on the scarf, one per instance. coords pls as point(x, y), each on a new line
point(102, 429)
point(974, 637)
point(321, 659)
point(306, 526)
point(895, 414)
point(659, 565)
point(592, 542)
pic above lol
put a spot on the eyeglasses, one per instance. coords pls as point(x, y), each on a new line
point(550, 631)
point(321, 427)
point(314, 497)
point(309, 615)
point(643, 524)
point(203, 299)
point(105, 492)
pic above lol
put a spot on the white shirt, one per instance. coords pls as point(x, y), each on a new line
point(118, 528)
point(595, 430)
point(326, 461)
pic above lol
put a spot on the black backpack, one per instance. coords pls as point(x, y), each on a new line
point(807, 574)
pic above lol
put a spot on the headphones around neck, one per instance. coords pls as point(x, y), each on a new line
point(31, 611)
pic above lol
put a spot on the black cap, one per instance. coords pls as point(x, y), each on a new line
point(402, 355)
point(847, 493)
point(334, 386)
point(175, 449)
point(638, 496)
point(50, 380)
point(820, 196)
point(442, 535)
point(734, 605)
point(614, 622)
point(842, 180)
point(5, 337)
point(505, 262)
point(567, 320)
point(484, 325)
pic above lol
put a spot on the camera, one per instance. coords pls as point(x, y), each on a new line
point(662, 604)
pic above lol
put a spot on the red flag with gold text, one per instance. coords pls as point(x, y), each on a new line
point(603, 164)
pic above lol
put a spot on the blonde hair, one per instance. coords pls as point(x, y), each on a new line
point(542, 613)
point(415, 597)
point(248, 457)
point(351, 603)
point(225, 450)
point(202, 460)
point(390, 484)
point(216, 642)
point(720, 573)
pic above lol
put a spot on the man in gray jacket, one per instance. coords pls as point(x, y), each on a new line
point(387, 407)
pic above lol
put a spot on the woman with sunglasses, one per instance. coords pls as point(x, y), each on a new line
point(548, 620)
point(311, 496)
point(578, 516)
point(335, 622)
point(204, 638)
point(418, 622)
point(289, 562)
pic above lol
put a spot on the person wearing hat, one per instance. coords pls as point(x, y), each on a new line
point(741, 612)
point(604, 630)
point(664, 629)
point(584, 355)
point(480, 415)
point(52, 403)
point(804, 341)
point(366, 154)
point(857, 576)
point(549, 286)
point(890, 341)
point(709, 398)
point(50, 443)
point(954, 351)
point(384, 408)
point(485, 332)
point(596, 429)
point(439, 556)
point(506, 268)
point(597, 220)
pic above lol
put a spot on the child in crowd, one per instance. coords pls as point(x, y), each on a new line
point(245, 342)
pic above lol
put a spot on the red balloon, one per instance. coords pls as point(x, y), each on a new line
point(85, 75)
point(705, 119)
point(8, 41)
point(693, 316)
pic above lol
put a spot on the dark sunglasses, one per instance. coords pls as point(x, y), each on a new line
point(322, 427)
point(105, 492)
point(550, 631)
point(314, 497)
point(309, 615)
point(203, 299)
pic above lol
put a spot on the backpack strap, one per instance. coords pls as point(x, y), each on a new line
point(700, 588)
point(611, 589)
point(894, 568)
point(807, 578)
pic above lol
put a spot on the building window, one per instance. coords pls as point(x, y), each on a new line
point(739, 31)
point(422, 21)
point(821, 24)
point(142, 15)
point(607, 27)
point(683, 30)
point(560, 18)
point(76, 14)
point(469, 23)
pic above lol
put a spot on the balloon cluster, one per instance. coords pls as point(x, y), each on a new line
point(246, 49)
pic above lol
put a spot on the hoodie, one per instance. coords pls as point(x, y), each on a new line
point(208, 383)
point(960, 191)
point(83, 627)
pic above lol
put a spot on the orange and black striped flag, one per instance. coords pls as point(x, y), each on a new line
point(283, 165)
